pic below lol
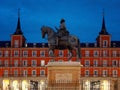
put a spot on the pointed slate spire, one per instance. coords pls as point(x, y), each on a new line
point(103, 29)
point(18, 29)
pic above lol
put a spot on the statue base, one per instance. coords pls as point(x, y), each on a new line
point(63, 75)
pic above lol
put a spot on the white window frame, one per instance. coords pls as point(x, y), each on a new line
point(105, 43)
point(15, 63)
point(42, 72)
point(69, 53)
point(34, 53)
point(1, 63)
point(114, 53)
point(42, 53)
point(61, 53)
point(16, 53)
point(87, 53)
point(95, 63)
point(16, 43)
point(6, 63)
point(105, 73)
point(105, 63)
point(87, 73)
point(95, 73)
point(114, 72)
point(33, 72)
point(114, 63)
point(96, 53)
point(25, 72)
point(6, 73)
point(25, 63)
point(51, 53)
point(6, 53)
point(15, 72)
point(87, 63)
point(25, 53)
point(34, 63)
point(1, 53)
point(105, 54)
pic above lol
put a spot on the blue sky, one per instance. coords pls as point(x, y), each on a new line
point(83, 17)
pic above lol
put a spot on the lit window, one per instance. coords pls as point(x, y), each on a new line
point(87, 53)
point(34, 53)
point(114, 63)
point(105, 43)
point(16, 63)
point(24, 72)
point(25, 53)
point(42, 53)
point(95, 72)
point(95, 53)
point(0, 53)
point(24, 62)
point(6, 63)
point(33, 72)
point(15, 72)
point(114, 73)
point(16, 53)
point(87, 63)
point(86, 72)
point(42, 62)
point(6, 73)
point(42, 72)
point(34, 62)
point(104, 73)
point(114, 53)
point(16, 44)
point(104, 63)
point(6, 53)
point(95, 63)
point(61, 53)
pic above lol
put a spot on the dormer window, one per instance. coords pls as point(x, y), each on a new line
point(105, 43)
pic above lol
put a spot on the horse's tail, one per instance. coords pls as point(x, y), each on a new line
point(79, 52)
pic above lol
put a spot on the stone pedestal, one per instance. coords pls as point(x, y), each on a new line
point(64, 75)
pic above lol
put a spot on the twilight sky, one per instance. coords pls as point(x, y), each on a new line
point(83, 17)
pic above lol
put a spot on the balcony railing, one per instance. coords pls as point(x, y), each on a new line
point(21, 65)
point(24, 75)
point(100, 75)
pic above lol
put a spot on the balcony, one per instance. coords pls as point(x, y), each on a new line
point(100, 75)
point(24, 75)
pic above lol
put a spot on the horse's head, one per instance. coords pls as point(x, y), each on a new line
point(44, 31)
point(47, 30)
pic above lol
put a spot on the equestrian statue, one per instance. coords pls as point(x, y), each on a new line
point(61, 39)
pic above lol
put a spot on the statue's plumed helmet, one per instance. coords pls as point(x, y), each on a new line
point(62, 21)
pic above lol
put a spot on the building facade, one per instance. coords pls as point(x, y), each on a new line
point(23, 65)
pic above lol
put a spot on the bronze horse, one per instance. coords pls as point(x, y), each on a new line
point(67, 42)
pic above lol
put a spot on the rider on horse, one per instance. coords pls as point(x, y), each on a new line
point(62, 32)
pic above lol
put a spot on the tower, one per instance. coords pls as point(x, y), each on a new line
point(17, 38)
point(104, 38)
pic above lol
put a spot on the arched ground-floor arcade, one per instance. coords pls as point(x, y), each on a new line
point(40, 83)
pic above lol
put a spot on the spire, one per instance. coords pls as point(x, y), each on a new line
point(18, 29)
point(103, 30)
